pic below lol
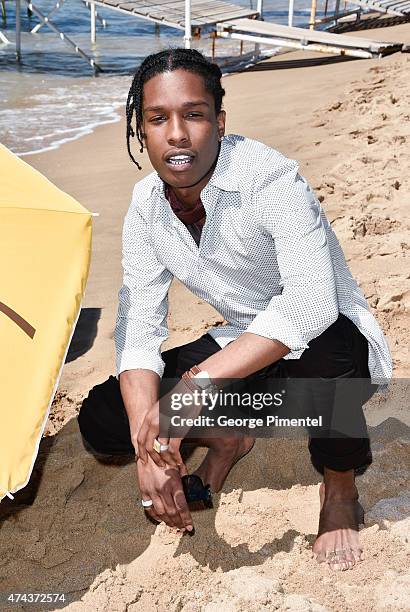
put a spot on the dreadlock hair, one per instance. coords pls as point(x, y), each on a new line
point(167, 61)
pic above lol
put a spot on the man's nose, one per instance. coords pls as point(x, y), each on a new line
point(177, 131)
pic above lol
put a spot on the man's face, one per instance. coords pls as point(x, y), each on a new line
point(181, 127)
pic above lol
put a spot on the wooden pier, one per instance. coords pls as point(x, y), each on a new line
point(262, 32)
point(399, 8)
point(226, 20)
point(172, 12)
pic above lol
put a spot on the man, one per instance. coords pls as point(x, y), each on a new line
point(236, 223)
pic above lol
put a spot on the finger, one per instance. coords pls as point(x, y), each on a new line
point(153, 516)
point(172, 456)
point(183, 509)
point(183, 470)
point(163, 442)
point(155, 456)
point(171, 517)
point(149, 510)
point(157, 510)
point(170, 459)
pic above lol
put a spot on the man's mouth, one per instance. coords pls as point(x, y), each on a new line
point(180, 161)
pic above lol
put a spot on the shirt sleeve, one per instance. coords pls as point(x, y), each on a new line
point(141, 325)
point(289, 212)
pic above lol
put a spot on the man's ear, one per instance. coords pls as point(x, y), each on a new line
point(221, 119)
point(143, 134)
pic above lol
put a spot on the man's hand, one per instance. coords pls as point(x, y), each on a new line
point(148, 433)
point(164, 488)
point(149, 430)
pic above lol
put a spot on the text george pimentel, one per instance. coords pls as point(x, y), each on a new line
point(251, 423)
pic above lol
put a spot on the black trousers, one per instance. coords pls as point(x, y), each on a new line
point(340, 351)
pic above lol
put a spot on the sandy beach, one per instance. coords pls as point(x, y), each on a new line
point(79, 529)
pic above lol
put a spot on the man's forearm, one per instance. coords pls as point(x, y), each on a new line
point(139, 390)
point(244, 356)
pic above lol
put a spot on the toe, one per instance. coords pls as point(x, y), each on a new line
point(338, 566)
point(349, 557)
point(320, 556)
point(357, 554)
point(341, 559)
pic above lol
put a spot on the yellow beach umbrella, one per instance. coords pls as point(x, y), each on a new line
point(45, 249)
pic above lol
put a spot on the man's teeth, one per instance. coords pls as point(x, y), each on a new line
point(179, 160)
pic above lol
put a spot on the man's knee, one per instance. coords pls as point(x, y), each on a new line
point(103, 421)
point(90, 449)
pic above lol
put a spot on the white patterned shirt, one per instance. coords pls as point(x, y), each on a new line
point(268, 261)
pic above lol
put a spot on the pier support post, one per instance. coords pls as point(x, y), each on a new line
point(312, 21)
point(93, 24)
point(337, 10)
point(3, 12)
point(290, 14)
point(259, 8)
point(213, 36)
point(188, 30)
point(18, 30)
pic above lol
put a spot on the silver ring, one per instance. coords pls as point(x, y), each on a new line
point(158, 447)
point(146, 503)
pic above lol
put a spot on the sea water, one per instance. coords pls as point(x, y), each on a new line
point(52, 96)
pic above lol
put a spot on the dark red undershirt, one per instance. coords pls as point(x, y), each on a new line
point(193, 218)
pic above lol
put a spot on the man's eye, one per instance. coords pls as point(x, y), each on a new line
point(157, 119)
point(194, 115)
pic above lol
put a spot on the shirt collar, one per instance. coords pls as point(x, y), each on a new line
point(223, 177)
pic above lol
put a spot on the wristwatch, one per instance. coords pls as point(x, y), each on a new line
point(200, 379)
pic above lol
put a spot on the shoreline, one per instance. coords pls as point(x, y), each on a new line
point(83, 131)
point(231, 67)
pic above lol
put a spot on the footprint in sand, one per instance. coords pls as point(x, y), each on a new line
point(398, 139)
point(377, 81)
point(392, 161)
point(377, 69)
point(327, 186)
point(335, 106)
point(365, 159)
point(369, 225)
point(397, 302)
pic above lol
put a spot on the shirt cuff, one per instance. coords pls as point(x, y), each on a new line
point(273, 325)
point(132, 360)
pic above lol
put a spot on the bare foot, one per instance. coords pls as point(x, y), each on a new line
point(337, 542)
point(222, 455)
